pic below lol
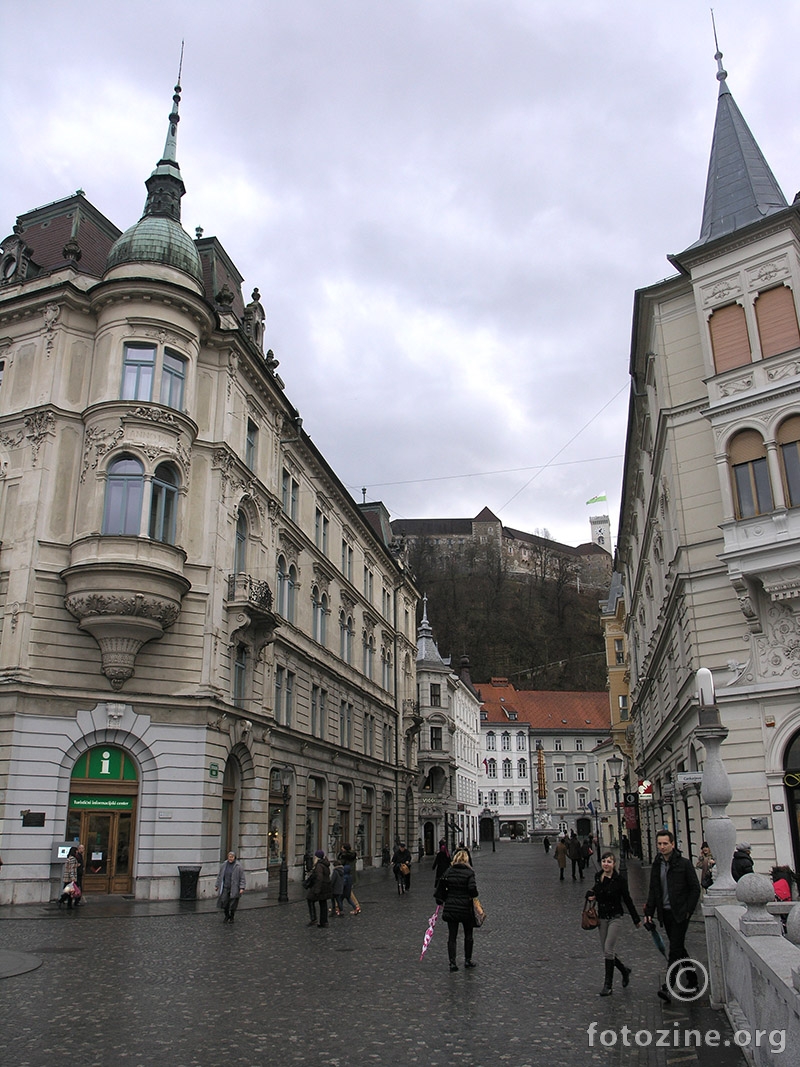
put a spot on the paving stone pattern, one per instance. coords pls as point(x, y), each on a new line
point(128, 983)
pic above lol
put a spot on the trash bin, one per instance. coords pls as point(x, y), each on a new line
point(189, 878)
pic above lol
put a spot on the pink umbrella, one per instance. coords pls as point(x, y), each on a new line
point(429, 932)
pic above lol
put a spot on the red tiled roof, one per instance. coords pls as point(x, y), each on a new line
point(545, 709)
point(47, 229)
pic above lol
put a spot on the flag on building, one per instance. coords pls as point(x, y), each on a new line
point(485, 765)
point(597, 499)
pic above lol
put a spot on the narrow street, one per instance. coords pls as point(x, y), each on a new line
point(125, 983)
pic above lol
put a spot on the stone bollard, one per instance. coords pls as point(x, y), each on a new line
point(793, 925)
point(755, 891)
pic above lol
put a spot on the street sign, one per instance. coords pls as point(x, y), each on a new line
point(689, 777)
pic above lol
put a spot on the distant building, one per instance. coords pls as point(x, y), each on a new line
point(449, 742)
point(588, 564)
point(568, 727)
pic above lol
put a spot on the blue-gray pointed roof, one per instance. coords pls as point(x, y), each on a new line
point(741, 188)
point(427, 651)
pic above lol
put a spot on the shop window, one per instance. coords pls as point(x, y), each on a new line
point(124, 492)
point(729, 339)
point(777, 321)
point(748, 460)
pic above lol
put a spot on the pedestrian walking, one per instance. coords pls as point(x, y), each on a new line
point(337, 889)
point(463, 848)
point(80, 856)
point(546, 843)
point(705, 865)
point(610, 893)
point(560, 853)
point(347, 854)
point(586, 853)
point(456, 890)
point(318, 889)
point(441, 863)
point(742, 862)
point(420, 850)
point(575, 855)
point(674, 893)
point(68, 877)
point(401, 865)
point(782, 880)
point(230, 886)
point(347, 892)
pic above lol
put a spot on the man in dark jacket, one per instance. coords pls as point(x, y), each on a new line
point(674, 893)
point(742, 862)
point(575, 855)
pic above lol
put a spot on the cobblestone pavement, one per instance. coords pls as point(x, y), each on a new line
point(129, 983)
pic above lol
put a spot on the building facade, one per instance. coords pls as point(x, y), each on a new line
point(206, 643)
point(709, 540)
point(568, 728)
point(449, 741)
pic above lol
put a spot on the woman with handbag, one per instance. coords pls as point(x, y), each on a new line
point(401, 865)
point(458, 890)
point(69, 878)
point(610, 893)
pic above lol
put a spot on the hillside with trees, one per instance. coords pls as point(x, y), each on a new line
point(539, 629)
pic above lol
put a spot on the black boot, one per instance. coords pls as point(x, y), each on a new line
point(624, 971)
point(606, 990)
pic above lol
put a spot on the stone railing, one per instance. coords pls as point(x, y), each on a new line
point(755, 972)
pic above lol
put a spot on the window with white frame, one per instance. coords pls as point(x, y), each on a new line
point(561, 801)
point(321, 525)
point(491, 768)
point(508, 797)
point(491, 741)
point(560, 774)
point(493, 797)
point(579, 744)
point(523, 796)
point(557, 744)
point(522, 742)
point(124, 495)
point(505, 741)
point(580, 773)
point(251, 445)
point(507, 773)
point(290, 489)
point(522, 768)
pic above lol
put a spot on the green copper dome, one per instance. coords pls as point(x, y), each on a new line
point(157, 239)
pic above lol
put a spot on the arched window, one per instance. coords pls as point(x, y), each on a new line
point(522, 742)
point(491, 768)
point(505, 741)
point(240, 550)
point(748, 459)
point(789, 441)
point(491, 742)
point(506, 768)
point(346, 636)
point(124, 492)
point(319, 611)
point(522, 768)
point(164, 504)
point(386, 662)
point(369, 654)
point(287, 584)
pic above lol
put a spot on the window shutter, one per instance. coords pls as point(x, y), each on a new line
point(729, 338)
point(777, 321)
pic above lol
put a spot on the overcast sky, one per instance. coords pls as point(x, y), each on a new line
point(446, 204)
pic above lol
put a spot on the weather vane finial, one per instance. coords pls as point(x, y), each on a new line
point(722, 74)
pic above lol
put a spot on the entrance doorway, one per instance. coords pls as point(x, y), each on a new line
point(108, 838)
point(104, 790)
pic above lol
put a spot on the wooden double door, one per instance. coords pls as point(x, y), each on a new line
point(108, 839)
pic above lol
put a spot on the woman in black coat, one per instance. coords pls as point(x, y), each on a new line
point(610, 892)
point(457, 889)
point(441, 863)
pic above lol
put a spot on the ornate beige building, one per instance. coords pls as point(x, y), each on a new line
point(709, 537)
point(205, 642)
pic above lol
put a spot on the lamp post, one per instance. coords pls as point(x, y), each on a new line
point(283, 884)
point(615, 769)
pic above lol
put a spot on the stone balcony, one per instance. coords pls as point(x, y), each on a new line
point(124, 591)
point(251, 618)
point(764, 549)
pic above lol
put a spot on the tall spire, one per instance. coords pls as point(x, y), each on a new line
point(741, 188)
point(165, 186)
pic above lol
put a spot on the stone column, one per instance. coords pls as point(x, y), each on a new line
point(716, 793)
